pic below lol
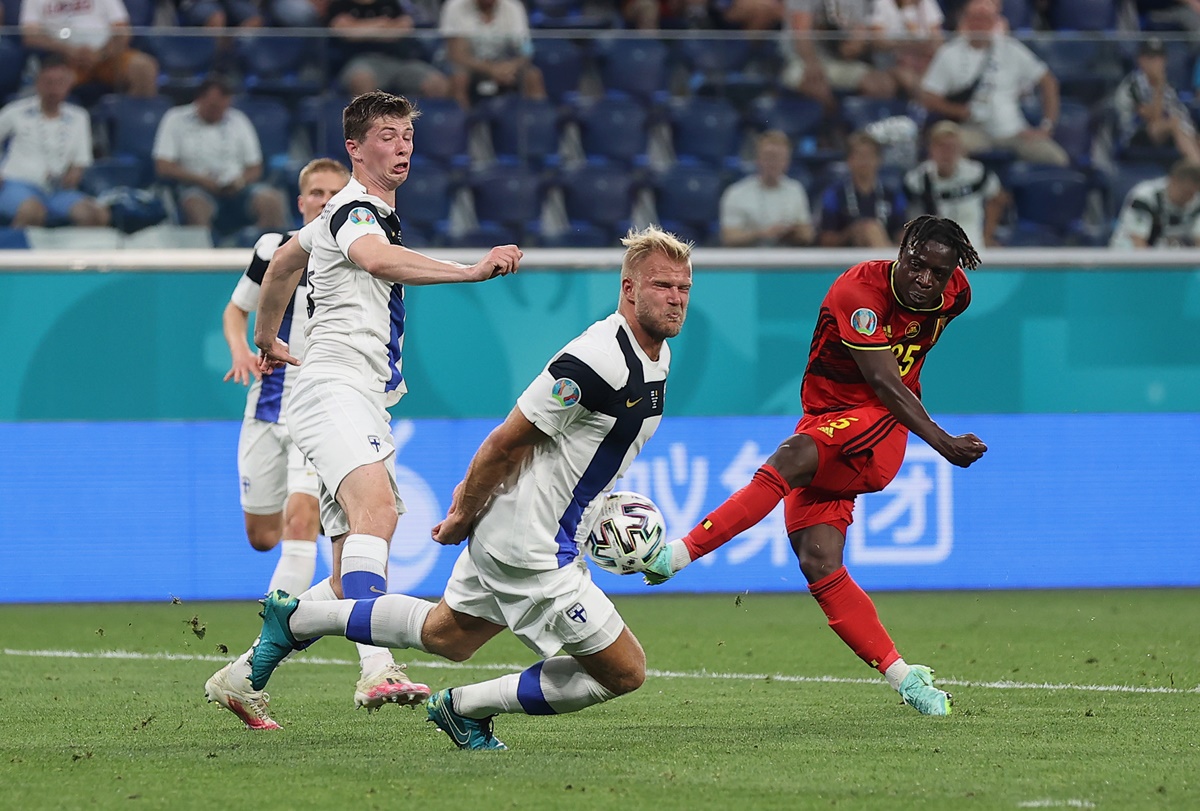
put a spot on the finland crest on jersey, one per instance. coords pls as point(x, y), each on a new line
point(599, 400)
point(267, 398)
point(356, 322)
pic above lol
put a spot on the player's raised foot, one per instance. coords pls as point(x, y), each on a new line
point(236, 695)
point(467, 733)
point(275, 641)
point(391, 685)
point(918, 692)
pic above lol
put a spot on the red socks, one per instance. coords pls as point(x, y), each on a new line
point(853, 617)
point(742, 510)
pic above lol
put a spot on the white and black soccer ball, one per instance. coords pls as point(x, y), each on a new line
point(627, 534)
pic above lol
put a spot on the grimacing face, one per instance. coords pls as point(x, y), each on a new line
point(660, 290)
point(922, 272)
point(387, 149)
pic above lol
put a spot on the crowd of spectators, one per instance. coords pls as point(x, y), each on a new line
point(831, 123)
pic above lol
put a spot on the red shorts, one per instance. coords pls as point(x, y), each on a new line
point(858, 451)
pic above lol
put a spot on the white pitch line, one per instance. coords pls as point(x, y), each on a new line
point(438, 664)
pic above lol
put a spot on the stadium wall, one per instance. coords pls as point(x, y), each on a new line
point(118, 440)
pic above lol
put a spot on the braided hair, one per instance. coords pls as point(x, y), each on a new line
point(928, 228)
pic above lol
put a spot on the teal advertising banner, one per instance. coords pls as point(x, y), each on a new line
point(148, 345)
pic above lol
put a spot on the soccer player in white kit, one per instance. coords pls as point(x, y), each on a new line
point(278, 485)
point(530, 497)
point(352, 365)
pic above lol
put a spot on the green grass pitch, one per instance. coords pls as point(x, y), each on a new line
point(1084, 699)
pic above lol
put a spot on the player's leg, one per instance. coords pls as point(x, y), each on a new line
point(301, 523)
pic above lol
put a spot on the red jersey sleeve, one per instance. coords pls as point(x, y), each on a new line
point(859, 309)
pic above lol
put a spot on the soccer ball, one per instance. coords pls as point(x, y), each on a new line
point(627, 534)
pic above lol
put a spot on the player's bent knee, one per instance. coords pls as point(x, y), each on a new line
point(796, 460)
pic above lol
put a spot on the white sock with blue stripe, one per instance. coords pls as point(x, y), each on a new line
point(550, 687)
point(394, 620)
point(364, 577)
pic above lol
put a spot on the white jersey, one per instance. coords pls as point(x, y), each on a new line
point(355, 322)
point(1150, 215)
point(268, 396)
point(598, 400)
point(960, 197)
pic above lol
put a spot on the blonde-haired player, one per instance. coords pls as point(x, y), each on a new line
point(530, 496)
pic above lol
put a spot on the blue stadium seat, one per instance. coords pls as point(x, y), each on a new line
point(487, 235)
point(441, 132)
point(689, 195)
point(1083, 15)
point(859, 111)
point(424, 199)
point(322, 116)
point(613, 128)
point(715, 56)
point(1018, 13)
point(13, 239)
point(1074, 132)
point(1125, 178)
point(111, 173)
point(509, 195)
point(580, 235)
point(561, 63)
point(12, 65)
point(706, 129)
point(417, 236)
point(598, 194)
point(1048, 196)
point(523, 129)
point(273, 123)
point(795, 115)
point(273, 65)
point(634, 66)
point(132, 124)
point(141, 13)
point(1027, 235)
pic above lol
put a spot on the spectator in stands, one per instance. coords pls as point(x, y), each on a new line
point(859, 212)
point(1170, 15)
point(1149, 113)
point(978, 79)
point(49, 147)
point(907, 35)
point(819, 68)
point(767, 208)
point(212, 152)
point(386, 55)
point(488, 43)
point(1163, 212)
point(93, 39)
point(953, 186)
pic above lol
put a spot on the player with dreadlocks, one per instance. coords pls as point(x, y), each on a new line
point(861, 396)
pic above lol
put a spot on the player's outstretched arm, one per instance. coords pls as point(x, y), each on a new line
point(279, 283)
point(234, 323)
point(395, 263)
point(881, 371)
point(494, 466)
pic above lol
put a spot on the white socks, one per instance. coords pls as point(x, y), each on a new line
point(364, 576)
point(897, 671)
point(295, 567)
point(394, 620)
point(553, 686)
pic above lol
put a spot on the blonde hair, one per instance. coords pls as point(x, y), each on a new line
point(322, 165)
point(650, 240)
point(778, 137)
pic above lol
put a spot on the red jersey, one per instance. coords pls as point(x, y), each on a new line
point(861, 310)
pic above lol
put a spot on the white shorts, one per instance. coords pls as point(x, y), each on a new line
point(271, 468)
point(340, 428)
point(558, 609)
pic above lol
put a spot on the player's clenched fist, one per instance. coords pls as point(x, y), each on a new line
point(500, 261)
point(964, 450)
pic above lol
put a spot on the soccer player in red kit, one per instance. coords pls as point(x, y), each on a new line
point(861, 398)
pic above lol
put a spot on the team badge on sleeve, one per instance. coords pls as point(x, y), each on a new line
point(863, 320)
point(362, 216)
point(565, 391)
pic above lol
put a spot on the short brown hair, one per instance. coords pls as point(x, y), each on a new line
point(368, 108)
point(322, 165)
point(861, 138)
point(778, 137)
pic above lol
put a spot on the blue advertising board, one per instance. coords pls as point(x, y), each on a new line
point(146, 510)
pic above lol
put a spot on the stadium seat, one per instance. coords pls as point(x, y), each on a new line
point(717, 57)
point(273, 65)
point(1018, 13)
point(634, 66)
point(561, 63)
point(111, 173)
point(602, 195)
point(1083, 15)
point(441, 132)
point(182, 56)
point(424, 199)
point(506, 194)
point(486, 235)
point(132, 124)
point(273, 123)
point(322, 116)
point(523, 129)
point(690, 195)
point(613, 128)
point(141, 13)
point(1125, 178)
point(1074, 132)
point(1086, 69)
point(13, 239)
point(1048, 196)
point(12, 66)
point(795, 115)
point(580, 235)
point(859, 111)
point(705, 129)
